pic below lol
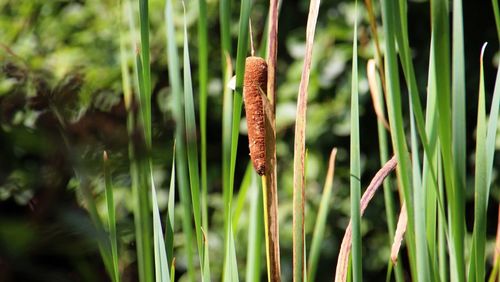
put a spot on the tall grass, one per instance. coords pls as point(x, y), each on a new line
point(192, 157)
point(448, 126)
point(430, 155)
point(203, 89)
point(299, 183)
point(393, 97)
point(230, 272)
point(110, 204)
point(255, 232)
point(480, 195)
point(355, 163)
point(376, 91)
point(160, 253)
point(141, 164)
point(177, 92)
point(319, 227)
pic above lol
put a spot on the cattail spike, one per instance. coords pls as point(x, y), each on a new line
point(255, 81)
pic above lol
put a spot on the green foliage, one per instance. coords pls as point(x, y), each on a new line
point(355, 179)
point(80, 77)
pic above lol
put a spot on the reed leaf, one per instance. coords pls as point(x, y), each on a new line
point(255, 230)
point(181, 162)
point(230, 264)
point(477, 264)
point(299, 149)
point(376, 91)
point(169, 226)
point(192, 155)
point(160, 253)
point(343, 261)
point(394, 109)
point(355, 163)
point(203, 90)
point(319, 227)
point(110, 205)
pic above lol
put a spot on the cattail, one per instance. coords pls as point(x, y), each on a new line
point(254, 85)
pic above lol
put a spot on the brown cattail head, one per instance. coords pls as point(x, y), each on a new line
point(256, 83)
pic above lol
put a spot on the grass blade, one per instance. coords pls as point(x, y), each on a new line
point(225, 27)
point(496, 261)
point(175, 82)
point(255, 231)
point(490, 154)
point(230, 268)
point(441, 65)
point(343, 260)
point(142, 218)
point(272, 52)
point(476, 273)
point(137, 165)
point(230, 265)
point(496, 12)
point(355, 178)
point(319, 227)
point(89, 202)
point(488, 144)
point(126, 83)
point(145, 95)
point(492, 130)
point(395, 114)
point(459, 99)
point(457, 205)
point(169, 229)
point(419, 204)
point(442, 235)
point(172, 270)
point(435, 192)
point(144, 160)
point(110, 204)
point(246, 7)
point(227, 111)
point(376, 91)
point(203, 88)
point(161, 262)
point(299, 149)
point(192, 153)
point(459, 133)
point(416, 118)
point(246, 185)
point(227, 73)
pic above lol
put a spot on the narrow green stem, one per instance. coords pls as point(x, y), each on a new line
point(203, 80)
point(496, 11)
point(111, 217)
point(395, 114)
point(181, 162)
point(355, 178)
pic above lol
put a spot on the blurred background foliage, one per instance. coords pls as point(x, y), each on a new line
point(61, 105)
